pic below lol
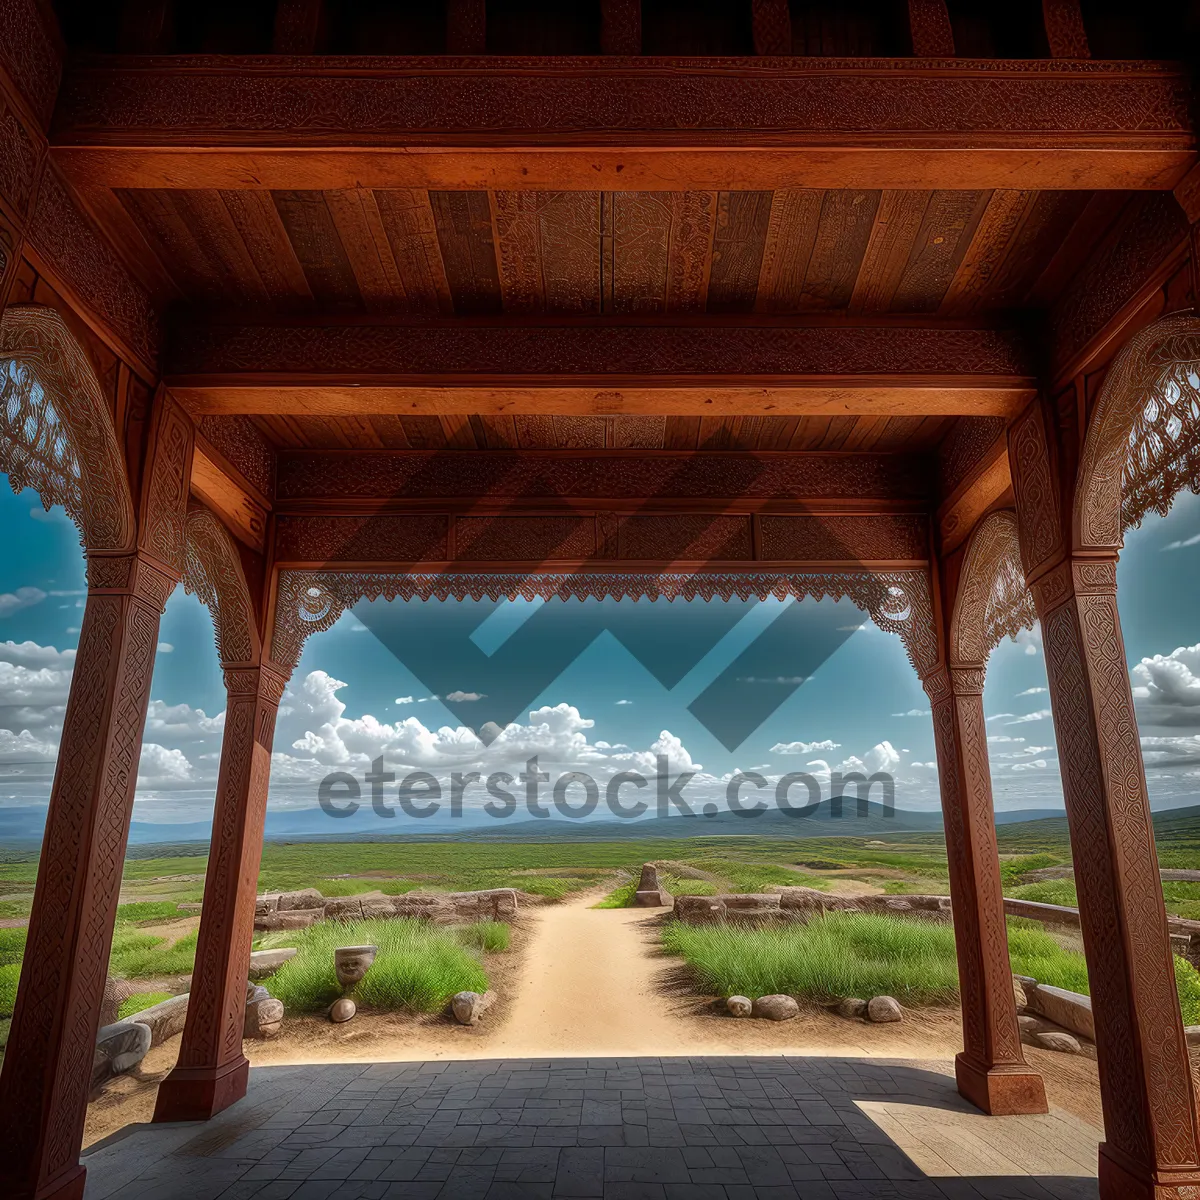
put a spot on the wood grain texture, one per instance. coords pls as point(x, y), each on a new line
point(412, 234)
point(364, 239)
point(897, 222)
point(739, 237)
point(257, 222)
point(464, 230)
point(791, 232)
point(945, 233)
point(844, 229)
point(314, 237)
point(981, 263)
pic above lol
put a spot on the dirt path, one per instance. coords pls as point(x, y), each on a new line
point(589, 986)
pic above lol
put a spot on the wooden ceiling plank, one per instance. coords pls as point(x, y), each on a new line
point(641, 238)
point(518, 250)
point(843, 232)
point(840, 429)
point(580, 433)
point(501, 432)
point(864, 433)
point(139, 253)
point(791, 232)
point(681, 433)
point(266, 241)
point(738, 242)
point(689, 250)
point(775, 433)
point(946, 231)
point(897, 220)
point(809, 433)
point(282, 430)
point(459, 433)
point(214, 230)
point(168, 232)
point(981, 263)
point(716, 433)
point(360, 229)
point(639, 433)
point(390, 431)
point(424, 432)
point(411, 231)
point(314, 237)
point(749, 430)
point(535, 432)
point(568, 232)
point(464, 229)
point(1102, 211)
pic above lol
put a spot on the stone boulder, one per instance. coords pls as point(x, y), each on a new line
point(1019, 997)
point(267, 962)
point(264, 1014)
point(776, 1008)
point(1054, 1039)
point(306, 898)
point(342, 1010)
point(116, 992)
point(296, 918)
point(119, 1048)
point(351, 963)
point(739, 1006)
point(468, 1007)
point(851, 1008)
point(884, 1010)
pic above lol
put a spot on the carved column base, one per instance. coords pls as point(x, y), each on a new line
point(1001, 1091)
point(1123, 1179)
point(197, 1093)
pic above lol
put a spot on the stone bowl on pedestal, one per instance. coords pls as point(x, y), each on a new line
point(351, 963)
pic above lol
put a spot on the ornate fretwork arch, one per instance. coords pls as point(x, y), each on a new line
point(897, 601)
point(56, 435)
point(214, 574)
point(993, 601)
point(1143, 441)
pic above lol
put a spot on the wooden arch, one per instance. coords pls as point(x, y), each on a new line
point(214, 574)
point(1143, 440)
point(56, 433)
point(993, 601)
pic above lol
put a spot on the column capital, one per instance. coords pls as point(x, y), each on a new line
point(130, 573)
point(266, 681)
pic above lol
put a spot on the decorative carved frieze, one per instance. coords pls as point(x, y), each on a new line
point(440, 351)
point(898, 602)
point(964, 447)
point(29, 56)
point(504, 476)
point(214, 574)
point(20, 157)
point(241, 442)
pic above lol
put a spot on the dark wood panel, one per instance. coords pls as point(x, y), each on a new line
point(360, 229)
point(638, 433)
point(1047, 223)
point(776, 433)
point(409, 225)
point(1003, 216)
point(222, 244)
point(639, 236)
point(737, 253)
point(843, 232)
point(946, 231)
point(424, 433)
point(171, 238)
point(897, 221)
point(314, 238)
point(464, 229)
point(500, 432)
point(535, 432)
point(569, 245)
point(791, 232)
point(580, 433)
point(257, 222)
point(681, 433)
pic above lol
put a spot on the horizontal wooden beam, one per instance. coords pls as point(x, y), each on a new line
point(622, 123)
point(558, 480)
point(706, 367)
point(221, 487)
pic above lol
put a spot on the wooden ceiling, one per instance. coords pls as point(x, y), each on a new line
point(954, 254)
point(912, 434)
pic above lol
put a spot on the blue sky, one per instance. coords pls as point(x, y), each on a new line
point(683, 679)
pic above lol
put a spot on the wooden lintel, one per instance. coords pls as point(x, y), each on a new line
point(987, 484)
point(622, 124)
point(221, 487)
point(844, 397)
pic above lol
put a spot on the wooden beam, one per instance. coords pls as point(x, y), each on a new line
point(297, 26)
point(988, 483)
point(772, 27)
point(706, 367)
point(929, 25)
point(603, 123)
point(621, 26)
point(1065, 32)
point(222, 488)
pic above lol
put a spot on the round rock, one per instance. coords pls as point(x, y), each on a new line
point(342, 1010)
point(351, 963)
point(1052, 1039)
point(739, 1006)
point(851, 1008)
point(883, 1010)
point(468, 1007)
point(776, 1008)
point(1019, 994)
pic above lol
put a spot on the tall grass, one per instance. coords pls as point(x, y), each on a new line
point(621, 897)
point(845, 954)
point(418, 967)
point(132, 1005)
point(9, 974)
point(491, 937)
point(12, 946)
point(148, 910)
point(137, 955)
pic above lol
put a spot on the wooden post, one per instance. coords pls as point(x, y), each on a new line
point(1152, 1140)
point(929, 24)
point(297, 26)
point(991, 1070)
point(211, 1072)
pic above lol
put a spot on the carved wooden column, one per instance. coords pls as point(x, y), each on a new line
point(48, 1060)
point(991, 1070)
point(211, 1072)
point(1152, 1139)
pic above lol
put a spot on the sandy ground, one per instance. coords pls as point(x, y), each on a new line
point(586, 982)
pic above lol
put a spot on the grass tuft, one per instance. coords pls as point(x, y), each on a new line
point(418, 967)
point(9, 974)
point(137, 955)
point(148, 910)
point(490, 937)
point(12, 946)
point(143, 1000)
point(621, 897)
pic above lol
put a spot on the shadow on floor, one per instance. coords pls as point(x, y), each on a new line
point(621, 1129)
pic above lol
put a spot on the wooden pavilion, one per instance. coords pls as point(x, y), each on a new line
point(306, 302)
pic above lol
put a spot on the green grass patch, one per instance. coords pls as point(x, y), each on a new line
point(137, 955)
point(418, 967)
point(1032, 951)
point(844, 954)
point(148, 910)
point(491, 937)
point(15, 908)
point(1051, 891)
point(9, 974)
point(12, 946)
point(143, 1000)
point(621, 897)
point(1012, 870)
point(1187, 983)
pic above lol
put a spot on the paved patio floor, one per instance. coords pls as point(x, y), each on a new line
point(622, 1129)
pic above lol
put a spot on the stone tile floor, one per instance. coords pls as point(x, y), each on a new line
point(773, 1128)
